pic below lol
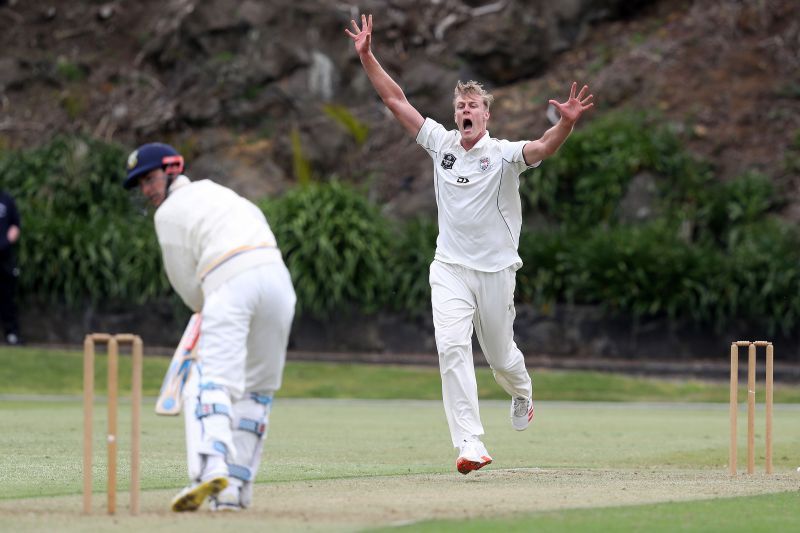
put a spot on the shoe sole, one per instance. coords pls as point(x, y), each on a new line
point(465, 466)
point(194, 498)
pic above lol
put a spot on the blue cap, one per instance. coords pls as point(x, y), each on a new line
point(149, 157)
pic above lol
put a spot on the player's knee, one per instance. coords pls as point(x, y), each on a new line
point(450, 346)
point(251, 415)
point(509, 365)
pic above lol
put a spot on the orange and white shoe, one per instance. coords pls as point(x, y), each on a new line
point(521, 413)
point(472, 455)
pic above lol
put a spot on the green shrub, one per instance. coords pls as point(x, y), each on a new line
point(764, 275)
point(729, 207)
point(86, 240)
point(546, 274)
point(412, 255)
point(734, 263)
point(649, 271)
point(83, 238)
point(582, 185)
point(336, 245)
point(642, 271)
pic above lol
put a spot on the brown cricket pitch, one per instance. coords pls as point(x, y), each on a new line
point(353, 503)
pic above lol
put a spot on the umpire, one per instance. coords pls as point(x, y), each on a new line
point(9, 234)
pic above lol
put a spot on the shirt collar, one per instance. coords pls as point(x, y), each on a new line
point(178, 182)
point(483, 140)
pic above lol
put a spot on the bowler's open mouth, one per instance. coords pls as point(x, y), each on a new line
point(467, 125)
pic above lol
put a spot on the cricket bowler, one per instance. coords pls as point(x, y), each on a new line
point(473, 274)
point(221, 257)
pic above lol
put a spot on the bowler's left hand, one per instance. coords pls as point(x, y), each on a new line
point(573, 108)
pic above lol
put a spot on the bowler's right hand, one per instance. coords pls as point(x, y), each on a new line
point(362, 38)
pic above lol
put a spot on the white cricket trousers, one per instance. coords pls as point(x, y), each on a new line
point(243, 339)
point(245, 330)
point(464, 299)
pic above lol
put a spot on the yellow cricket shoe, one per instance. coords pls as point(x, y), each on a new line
point(193, 496)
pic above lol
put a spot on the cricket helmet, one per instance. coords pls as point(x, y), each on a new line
point(149, 157)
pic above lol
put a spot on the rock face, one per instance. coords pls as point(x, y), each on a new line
point(183, 70)
point(221, 77)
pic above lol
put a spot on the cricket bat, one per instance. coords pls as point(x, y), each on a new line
point(170, 398)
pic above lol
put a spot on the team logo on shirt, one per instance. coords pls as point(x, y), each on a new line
point(448, 161)
point(485, 164)
point(462, 180)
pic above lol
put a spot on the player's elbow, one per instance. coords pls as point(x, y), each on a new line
point(395, 104)
point(549, 151)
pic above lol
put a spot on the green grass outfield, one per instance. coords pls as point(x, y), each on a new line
point(768, 514)
point(37, 371)
point(351, 464)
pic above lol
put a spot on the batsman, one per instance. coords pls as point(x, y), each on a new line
point(221, 257)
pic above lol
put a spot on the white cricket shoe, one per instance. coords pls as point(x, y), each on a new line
point(193, 496)
point(521, 413)
point(226, 501)
point(472, 455)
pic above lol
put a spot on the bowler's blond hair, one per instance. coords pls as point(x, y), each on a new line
point(472, 88)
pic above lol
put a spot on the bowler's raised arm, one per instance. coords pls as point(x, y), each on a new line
point(389, 91)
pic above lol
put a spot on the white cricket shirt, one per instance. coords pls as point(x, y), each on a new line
point(477, 195)
point(209, 234)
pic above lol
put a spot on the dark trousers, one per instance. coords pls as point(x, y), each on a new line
point(8, 298)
